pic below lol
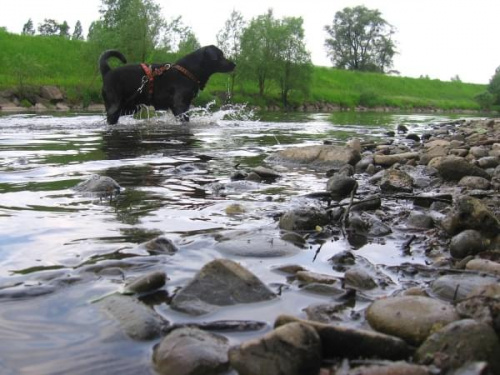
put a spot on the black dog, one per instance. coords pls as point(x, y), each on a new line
point(164, 86)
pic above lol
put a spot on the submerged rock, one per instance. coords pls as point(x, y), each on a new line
point(258, 244)
point(137, 320)
point(412, 318)
point(191, 351)
point(98, 185)
point(221, 282)
point(292, 349)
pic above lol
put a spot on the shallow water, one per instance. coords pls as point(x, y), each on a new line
point(170, 173)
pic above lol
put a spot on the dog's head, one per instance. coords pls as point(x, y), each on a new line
point(214, 58)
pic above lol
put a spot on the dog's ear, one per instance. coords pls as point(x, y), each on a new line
point(212, 53)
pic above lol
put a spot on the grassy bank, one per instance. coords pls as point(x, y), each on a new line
point(30, 61)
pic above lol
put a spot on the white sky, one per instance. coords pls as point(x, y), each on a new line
point(437, 38)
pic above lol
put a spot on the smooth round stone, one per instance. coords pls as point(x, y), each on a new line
point(411, 318)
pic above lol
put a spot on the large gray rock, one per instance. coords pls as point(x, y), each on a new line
point(191, 351)
point(411, 318)
point(137, 320)
point(221, 282)
point(322, 157)
point(292, 349)
point(341, 341)
point(453, 168)
point(461, 342)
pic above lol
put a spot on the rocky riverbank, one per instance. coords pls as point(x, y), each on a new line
point(444, 319)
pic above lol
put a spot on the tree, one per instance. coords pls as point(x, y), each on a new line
point(293, 63)
point(28, 28)
point(64, 30)
point(49, 27)
point(188, 43)
point(132, 26)
point(494, 86)
point(360, 39)
point(229, 41)
point(258, 50)
point(78, 31)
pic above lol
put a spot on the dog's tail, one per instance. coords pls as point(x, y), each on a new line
point(103, 60)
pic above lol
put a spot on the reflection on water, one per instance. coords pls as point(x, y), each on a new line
point(55, 243)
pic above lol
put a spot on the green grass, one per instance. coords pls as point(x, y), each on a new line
point(30, 61)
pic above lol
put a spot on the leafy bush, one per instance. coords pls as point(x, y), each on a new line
point(485, 100)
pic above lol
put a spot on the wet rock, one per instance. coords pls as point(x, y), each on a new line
point(293, 238)
point(474, 182)
point(327, 313)
point(388, 160)
point(411, 318)
point(390, 368)
point(99, 184)
point(341, 186)
point(395, 181)
point(323, 289)
point(138, 321)
point(484, 265)
point(252, 176)
point(258, 244)
point(470, 213)
point(221, 282)
point(363, 164)
point(191, 351)
point(459, 343)
point(419, 220)
point(322, 157)
point(340, 341)
point(367, 204)
point(304, 219)
point(467, 242)
point(266, 173)
point(160, 245)
point(457, 287)
point(341, 261)
point(308, 277)
point(146, 283)
point(290, 269)
point(291, 349)
point(358, 278)
point(453, 168)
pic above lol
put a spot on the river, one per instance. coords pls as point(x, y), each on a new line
point(170, 174)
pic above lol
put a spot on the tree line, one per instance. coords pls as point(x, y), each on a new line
point(270, 53)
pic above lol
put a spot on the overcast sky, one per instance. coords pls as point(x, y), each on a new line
point(435, 38)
